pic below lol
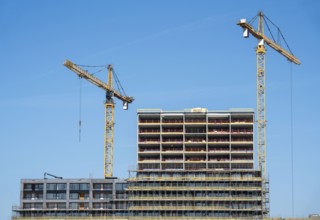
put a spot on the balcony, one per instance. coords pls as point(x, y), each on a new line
point(241, 131)
point(245, 140)
point(195, 121)
point(218, 121)
point(219, 140)
point(195, 140)
point(149, 131)
point(167, 131)
point(195, 150)
point(149, 140)
point(172, 121)
point(172, 159)
point(149, 160)
point(172, 140)
point(172, 150)
point(218, 132)
point(217, 150)
point(149, 151)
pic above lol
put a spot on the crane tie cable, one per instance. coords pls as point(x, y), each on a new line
point(120, 88)
point(291, 131)
point(80, 107)
point(279, 32)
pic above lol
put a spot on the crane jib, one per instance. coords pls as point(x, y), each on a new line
point(269, 42)
point(84, 74)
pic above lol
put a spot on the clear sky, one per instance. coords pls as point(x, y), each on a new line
point(168, 54)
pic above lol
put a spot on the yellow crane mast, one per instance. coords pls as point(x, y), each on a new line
point(109, 110)
point(261, 92)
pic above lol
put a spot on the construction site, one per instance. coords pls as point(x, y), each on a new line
point(193, 163)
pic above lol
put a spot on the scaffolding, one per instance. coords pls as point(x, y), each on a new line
point(192, 194)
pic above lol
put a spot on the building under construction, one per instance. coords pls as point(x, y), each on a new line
point(196, 163)
point(193, 163)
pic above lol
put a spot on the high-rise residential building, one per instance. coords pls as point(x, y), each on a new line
point(196, 163)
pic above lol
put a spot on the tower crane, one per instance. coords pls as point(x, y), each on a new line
point(261, 90)
point(109, 110)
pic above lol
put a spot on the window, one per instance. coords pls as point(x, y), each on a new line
point(102, 195)
point(121, 186)
point(79, 186)
point(54, 196)
point(81, 196)
point(121, 206)
point(27, 186)
point(33, 186)
point(56, 186)
point(103, 186)
point(32, 205)
point(73, 205)
point(56, 205)
point(121, 196)
point(32, 195)
point(102, 205)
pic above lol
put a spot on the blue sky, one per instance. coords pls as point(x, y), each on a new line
point(168, 54)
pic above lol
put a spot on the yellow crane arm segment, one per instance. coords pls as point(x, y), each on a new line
point(84, 74)
point(268, 41)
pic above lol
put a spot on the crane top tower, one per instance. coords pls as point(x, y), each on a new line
point(109, 109)
point(259, 34)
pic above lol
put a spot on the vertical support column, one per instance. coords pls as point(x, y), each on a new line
point(44, 205)
point(90, 195)
point(230, 140)
point(113, 196)
point(184, 140)
point(161, 140)
point(68, 195)
point(22, 195)
point(207, 138)
point(138, 148)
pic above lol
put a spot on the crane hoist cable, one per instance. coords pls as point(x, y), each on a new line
point(292, 140)
point(80, 107)
point(80, 93)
